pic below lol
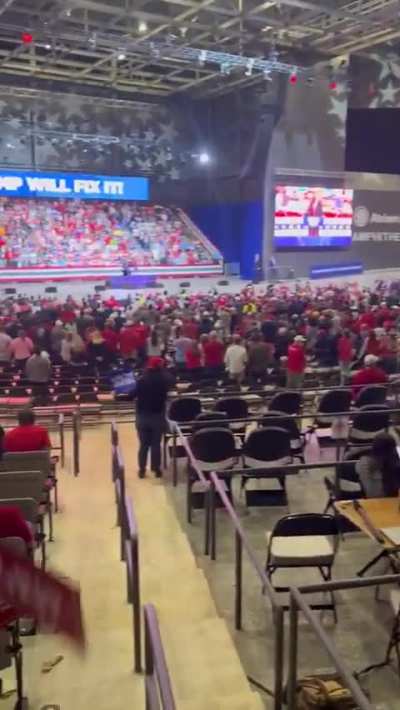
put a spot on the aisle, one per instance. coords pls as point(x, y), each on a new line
point(205, 668)
point(86, 549)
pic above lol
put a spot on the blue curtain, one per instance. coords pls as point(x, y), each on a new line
point(235, 229)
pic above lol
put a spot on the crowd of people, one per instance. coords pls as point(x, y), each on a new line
point(278, 332)
point(78, 233)
point(250, 335)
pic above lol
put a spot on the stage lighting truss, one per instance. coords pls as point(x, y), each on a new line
point(226, 62)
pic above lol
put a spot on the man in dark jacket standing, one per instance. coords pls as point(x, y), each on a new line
point(151, 399)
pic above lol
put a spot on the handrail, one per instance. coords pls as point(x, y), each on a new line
point(298, 603)
point(271, 390)
point(76, 443)
point(350, 413)
point(131, 542)
point(114, 434)
point(157, 679)
point(266, 584)
point(129, 546)
point(211, 486)
point(61, 433)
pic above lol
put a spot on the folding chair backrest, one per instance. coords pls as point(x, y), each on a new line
point(369, 421)
point(234, 407)
point(269, 445)
point(335, 401)
point(14, 544)
point(288, 402)
point(211, 419)
point(213, 448)
point(373, 394)
point(27, 461)
point(21, 484)
point(346, 469)
point(306, 524)
point(184, 409)
point(278, 419)
point(28, 506)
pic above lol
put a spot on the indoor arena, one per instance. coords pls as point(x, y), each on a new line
point(199, 355)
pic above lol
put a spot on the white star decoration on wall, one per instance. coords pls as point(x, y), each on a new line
point(387, 90)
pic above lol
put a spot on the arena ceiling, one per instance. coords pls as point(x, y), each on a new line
point(159, 47)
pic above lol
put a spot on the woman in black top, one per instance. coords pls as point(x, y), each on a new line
point(151, 400)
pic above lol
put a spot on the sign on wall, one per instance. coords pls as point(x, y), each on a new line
point(72, 186)
point(376, 216)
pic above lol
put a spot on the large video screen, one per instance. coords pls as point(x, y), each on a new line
point(312, 217)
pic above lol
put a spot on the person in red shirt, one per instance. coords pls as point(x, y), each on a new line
point(213, 351)
point(370, 374)
point(345, 352)
point(27, 436)
point(111, 337)
point(296, 363)
point(128, 341)
point(373, 345)
point(12, 524)
point(193, 360)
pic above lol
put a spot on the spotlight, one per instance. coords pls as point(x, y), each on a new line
point(202, 57)
point(142, 26)
point(68, 12)
point(121, 56)
point(267, 74)
point(249, 67)
point(293, 78)
point(27, 38)
point(47, 46)
point(204, 158)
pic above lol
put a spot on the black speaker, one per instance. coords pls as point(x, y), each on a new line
point(50, 289)
point(99, 289)
point(184, 284)
point(10, 291)
point(223, 283)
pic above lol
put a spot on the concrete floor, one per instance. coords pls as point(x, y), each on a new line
point(362, 632)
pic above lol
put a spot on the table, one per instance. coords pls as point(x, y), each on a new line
point(381, 513)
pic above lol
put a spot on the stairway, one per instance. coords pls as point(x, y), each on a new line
point(204, 665)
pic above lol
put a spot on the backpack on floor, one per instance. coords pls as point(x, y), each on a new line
point(313, 693)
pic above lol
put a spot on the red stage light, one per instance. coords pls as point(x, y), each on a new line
point(333, 85)
point(27, 38)
point(293, 79)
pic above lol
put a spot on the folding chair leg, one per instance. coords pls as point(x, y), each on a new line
point(394, 642)
point(50, 515)
point(189, 508)
point(16, 651)
point(55, 495)
point(326, 575)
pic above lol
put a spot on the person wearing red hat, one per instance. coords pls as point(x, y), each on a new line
point(151, 400)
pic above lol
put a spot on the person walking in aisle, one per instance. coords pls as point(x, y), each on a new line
point(151, 399)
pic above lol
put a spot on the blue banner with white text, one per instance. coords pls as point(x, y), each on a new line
point(72, 186)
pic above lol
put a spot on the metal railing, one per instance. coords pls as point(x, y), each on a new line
point(299, 603)
point(212, 486)
point(129, 545)
point(158, 686)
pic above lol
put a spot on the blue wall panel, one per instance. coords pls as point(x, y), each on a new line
point(235, 229)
